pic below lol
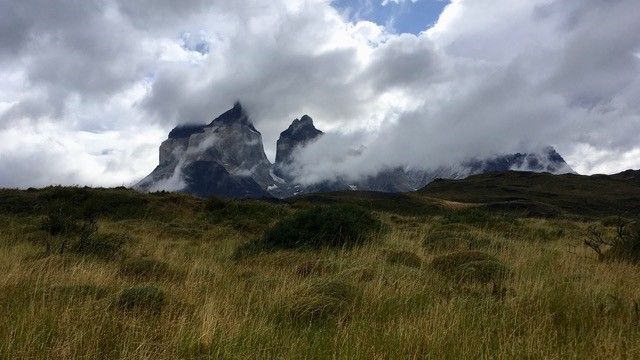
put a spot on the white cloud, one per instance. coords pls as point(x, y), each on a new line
point(104, 81)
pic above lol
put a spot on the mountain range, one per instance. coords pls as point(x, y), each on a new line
point(226, 158)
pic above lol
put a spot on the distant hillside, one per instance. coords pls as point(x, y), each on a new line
point(617, 194)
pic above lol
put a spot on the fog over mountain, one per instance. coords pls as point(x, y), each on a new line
point(90, 89)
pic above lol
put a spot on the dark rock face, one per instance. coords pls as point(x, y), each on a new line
point(226, 158)
point(206, 178)
point(230, 145)
point(300, 133)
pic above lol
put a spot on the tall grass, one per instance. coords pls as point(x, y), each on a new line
point(560, 301)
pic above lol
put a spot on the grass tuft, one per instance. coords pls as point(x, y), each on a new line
point(404, 258)
point(142, 297)
point(322, 300)
point(146, 268)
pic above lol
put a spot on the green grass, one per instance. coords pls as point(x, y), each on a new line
point(176, 291)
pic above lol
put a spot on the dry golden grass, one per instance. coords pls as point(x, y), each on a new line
point(559, 301)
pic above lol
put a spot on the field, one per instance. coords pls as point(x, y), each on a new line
point(167, 280)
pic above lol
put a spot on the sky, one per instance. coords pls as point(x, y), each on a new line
point(90, 88)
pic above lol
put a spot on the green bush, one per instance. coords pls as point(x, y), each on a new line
point(403, 257)
point(143, 297)
point(145, 268)
point(318, 227)
point(322, 300)
point(623, 246)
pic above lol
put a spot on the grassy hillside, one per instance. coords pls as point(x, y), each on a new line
point(599, 195)
point(164, 276)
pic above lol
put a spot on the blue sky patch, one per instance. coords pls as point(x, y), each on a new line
point(401, 16)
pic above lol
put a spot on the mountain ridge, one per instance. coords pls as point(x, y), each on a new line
point(226, 158)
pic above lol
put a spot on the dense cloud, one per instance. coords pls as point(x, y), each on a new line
point(91, 87)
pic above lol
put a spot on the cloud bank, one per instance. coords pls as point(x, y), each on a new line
point(90, 88)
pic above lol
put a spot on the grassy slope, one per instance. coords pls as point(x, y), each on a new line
point(598, 195)
point(560, 301)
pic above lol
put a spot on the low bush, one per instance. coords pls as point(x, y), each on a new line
point(322, 300)
point(145, 268)
point(329, 226)
point(403, 257)
point(144, 297)
point(624, 245)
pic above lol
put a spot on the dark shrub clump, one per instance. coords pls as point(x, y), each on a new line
point(623, 246)
point(319, 227)
point(144, 297)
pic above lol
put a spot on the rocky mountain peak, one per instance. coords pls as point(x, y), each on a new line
point(236, 115)
point(300, 132)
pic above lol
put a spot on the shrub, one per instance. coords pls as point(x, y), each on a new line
point(57, 223)
point(624, 245)
point(318, 227)
point(322, 300)
point(145, 268)
point(144, 297)
point(403, 257)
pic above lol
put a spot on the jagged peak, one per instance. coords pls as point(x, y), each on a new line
point(303, 125)
point(236, 114)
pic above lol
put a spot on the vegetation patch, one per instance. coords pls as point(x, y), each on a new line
point(338, 226)
point(146, 268)
point(143, 297)
point(624, 245)
point(315, 268)
point(78, 291)
point(322, 300)
point(455, 236)
point(101, 245)
point(404, 258)
point(467, 267)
